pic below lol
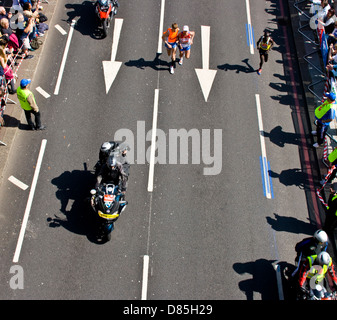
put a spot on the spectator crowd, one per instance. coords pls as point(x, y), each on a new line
point(21, 29)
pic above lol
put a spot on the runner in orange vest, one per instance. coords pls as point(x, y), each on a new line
point(170, 37)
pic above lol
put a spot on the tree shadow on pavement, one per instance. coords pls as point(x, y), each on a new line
point(74, 189)
point(263, 279)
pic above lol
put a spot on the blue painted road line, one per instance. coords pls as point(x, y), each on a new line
point(250, 35)
point(266, 179)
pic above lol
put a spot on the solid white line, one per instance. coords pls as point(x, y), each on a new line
point(153, 141)
point(64, 59)
point(251, 47)
point(29, 202)
point(161, 24)
point(263, 144)
point(145, 277)
point(18, 183)
point(42, 92)
point(59, 28)
point(205, 43)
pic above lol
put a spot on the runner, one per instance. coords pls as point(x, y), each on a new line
point(264, 44)
point(170, 37)
point(185, 39)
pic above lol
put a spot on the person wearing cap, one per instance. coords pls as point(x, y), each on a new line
point(324, 114)
point(185, 39)
point(29, 106)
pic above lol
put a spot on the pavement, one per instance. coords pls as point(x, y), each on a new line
point(309, 59)
point(14, 115)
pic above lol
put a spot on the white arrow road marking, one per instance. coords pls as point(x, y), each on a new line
point(111, 67)
point(205, 75)
point(17, 182)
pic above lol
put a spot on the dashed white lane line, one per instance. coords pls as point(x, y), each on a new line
point(64, 59)
point(29, 202)
point(59, 28)
point(18, 183)
point(145, 277)
point(42, 92)
point(153, 141)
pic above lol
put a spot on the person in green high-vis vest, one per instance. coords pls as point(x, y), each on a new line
point(324, 114)
point(29, 106)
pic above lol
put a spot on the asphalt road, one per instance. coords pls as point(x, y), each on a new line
point(207, 236)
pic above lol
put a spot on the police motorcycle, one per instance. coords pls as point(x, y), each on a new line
point(105, 10)
point(108, 203)
point(314, 290)
point(107, 200)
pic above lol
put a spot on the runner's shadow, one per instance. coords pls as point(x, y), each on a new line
point(239, 68)
point(156, 64)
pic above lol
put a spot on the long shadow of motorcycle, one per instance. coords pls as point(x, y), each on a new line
point(86, 17)
point(76, 214)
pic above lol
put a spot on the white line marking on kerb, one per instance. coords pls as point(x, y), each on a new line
point(42, 92)
point(29, 202)
point(161, 24)
point(145, 277)
point(64, 59)
point(18, 183)
point(263, 145)
point(251, 46)
point(59, 28)
point(153, 141)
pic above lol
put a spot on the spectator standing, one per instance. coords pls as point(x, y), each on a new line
point(170, 38)
point(265, 43)
point(6, 30)
point(185, 39)
point(329, 21)
point(324, 114)
point(24, 38)
point(9, 75)
point(28, 104)
point(4, 14)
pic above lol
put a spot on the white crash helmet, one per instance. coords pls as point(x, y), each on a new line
point(321, 236)
point(105, 146)
point(323, 258)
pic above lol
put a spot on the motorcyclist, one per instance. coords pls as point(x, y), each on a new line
point(108, 148)
point(112, 171)
point(316, 266)
point(309, 246)
point(115, 4)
